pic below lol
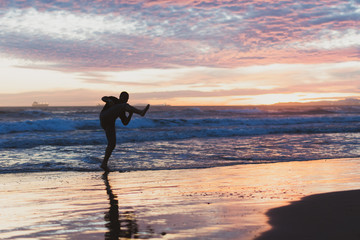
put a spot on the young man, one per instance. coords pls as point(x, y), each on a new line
point(113, 109)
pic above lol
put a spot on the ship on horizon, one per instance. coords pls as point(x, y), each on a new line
point(37, 104)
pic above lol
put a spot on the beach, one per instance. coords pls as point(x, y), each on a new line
point(211, 172)
point(179, 120)
point(229, 202)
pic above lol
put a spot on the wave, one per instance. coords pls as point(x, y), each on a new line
point(15, 114)
point(63, 125)
point(45, 125)
point(50, 166)
point(132, 163)
point(242, 111)
point(66, 132)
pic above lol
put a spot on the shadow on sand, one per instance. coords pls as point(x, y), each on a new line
point(329, 216)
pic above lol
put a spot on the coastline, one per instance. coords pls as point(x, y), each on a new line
point(223, 202)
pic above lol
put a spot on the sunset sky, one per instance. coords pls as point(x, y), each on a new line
point(179, 52)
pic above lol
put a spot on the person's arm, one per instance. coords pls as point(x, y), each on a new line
point(109, 100)
point(125, 119)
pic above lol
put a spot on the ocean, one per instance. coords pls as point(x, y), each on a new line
point(173, 137)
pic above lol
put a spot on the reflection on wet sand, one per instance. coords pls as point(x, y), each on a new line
point(214, 203)
point(120, 225)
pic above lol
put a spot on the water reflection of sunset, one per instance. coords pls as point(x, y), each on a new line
point(178, 52)
point(217, 202)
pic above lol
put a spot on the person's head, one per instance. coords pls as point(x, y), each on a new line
point(124, 97)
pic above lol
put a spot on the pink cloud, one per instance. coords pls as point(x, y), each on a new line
point(189, 33)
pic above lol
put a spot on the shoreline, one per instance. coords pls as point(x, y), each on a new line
point(209, 203)
point(100, 170)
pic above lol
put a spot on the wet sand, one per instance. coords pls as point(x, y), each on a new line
point(217, 203)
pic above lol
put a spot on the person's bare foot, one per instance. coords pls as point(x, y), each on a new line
point(145, 110)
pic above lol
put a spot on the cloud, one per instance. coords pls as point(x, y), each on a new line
point(96, 78)
point(118, 35)
point(74, 97)
point(333, 39)
point(85, 97)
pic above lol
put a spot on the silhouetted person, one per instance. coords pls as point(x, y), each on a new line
point(113, 109)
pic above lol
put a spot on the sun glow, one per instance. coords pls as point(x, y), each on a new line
point(289, 98)
point(179, 52)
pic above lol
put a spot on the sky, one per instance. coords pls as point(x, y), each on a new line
point(178, 52)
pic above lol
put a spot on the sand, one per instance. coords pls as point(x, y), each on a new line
point(235, 202)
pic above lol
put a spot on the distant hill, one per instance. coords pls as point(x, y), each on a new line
point(347, 101)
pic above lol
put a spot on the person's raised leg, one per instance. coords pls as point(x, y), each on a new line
point(142, 113)
point(145, 110)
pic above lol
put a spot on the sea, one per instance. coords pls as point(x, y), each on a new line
point(175, 137)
